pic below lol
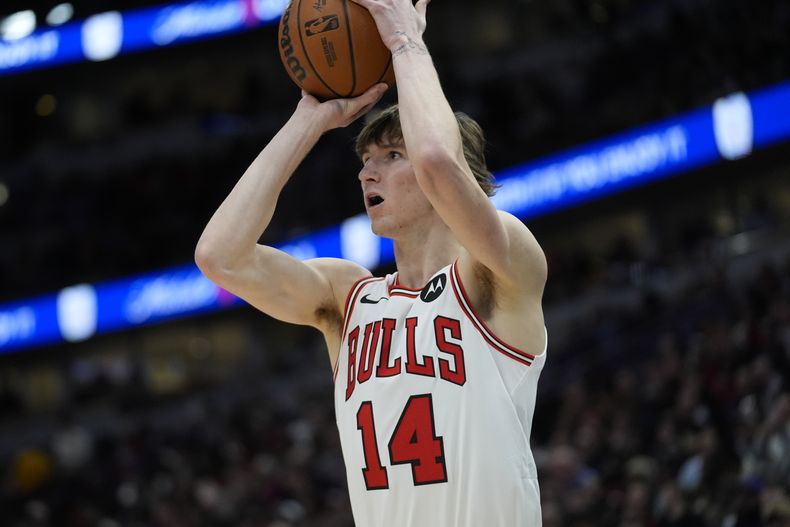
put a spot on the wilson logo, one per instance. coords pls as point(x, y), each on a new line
point(321, 25)
point(287, 49)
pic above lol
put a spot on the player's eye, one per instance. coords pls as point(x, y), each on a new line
point(394, 154)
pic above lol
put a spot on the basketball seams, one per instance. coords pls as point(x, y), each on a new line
point(304, 49)
point(386, 70)
point(350, 48)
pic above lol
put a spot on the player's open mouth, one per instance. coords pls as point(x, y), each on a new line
point(374, 200)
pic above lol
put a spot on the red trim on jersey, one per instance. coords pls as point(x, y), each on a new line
point(400, 292)
point(348, 309)
point(397, 285)
point(466, 306)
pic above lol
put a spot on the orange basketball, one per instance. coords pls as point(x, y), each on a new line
point(332, 48)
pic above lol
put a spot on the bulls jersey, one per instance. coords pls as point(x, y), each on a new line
point(434, 411)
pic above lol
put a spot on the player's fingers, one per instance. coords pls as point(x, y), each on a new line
point(375, 91)
point(422, 6)
point(373, 95)
point(361, 105)
point(362, 111)
point(308, 97)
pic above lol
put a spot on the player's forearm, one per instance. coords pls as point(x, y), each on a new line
point(429, 125)
point(236, 226)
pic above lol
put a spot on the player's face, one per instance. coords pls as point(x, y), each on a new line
point(393, 199)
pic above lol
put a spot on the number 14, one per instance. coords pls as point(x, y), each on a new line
point(413, 441)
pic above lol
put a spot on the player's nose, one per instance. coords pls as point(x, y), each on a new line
point(369, 172)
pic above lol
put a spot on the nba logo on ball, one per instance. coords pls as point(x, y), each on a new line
point(321, 25)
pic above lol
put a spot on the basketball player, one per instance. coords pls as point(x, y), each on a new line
point(436, 366)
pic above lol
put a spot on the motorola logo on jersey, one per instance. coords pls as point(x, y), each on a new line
point(434, 289)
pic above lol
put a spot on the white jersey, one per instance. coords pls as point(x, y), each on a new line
point(434, 411)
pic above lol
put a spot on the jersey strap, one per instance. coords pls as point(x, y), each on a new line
point(463, 300)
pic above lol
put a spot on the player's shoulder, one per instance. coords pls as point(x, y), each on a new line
point(523, 246)
point(524, 267)
point(513, 225)
point(341, 274)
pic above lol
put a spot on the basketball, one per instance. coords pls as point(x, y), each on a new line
point(332, 48)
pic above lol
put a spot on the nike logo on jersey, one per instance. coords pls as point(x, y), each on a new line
point(434, 289)
point(366, 300)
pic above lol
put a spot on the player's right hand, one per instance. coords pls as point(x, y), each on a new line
point(400, 22)
point(339, 113)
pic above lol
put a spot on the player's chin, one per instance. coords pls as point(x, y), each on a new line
point(378, 226)
point(377, 230)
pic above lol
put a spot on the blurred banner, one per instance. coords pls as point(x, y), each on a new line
point(730, 129)
point(107, 35)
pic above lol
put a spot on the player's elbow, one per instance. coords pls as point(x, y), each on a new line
point(209, 259)
point(434, 162)
point(433, 157)
point(205, 259)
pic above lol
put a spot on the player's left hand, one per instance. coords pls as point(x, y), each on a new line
point(339, 113)
point(399, 21)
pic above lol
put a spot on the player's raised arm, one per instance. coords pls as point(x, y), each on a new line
point(434, 145)
point(271, 280)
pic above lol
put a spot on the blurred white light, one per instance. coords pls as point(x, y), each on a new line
point(60, 14)
point(358, 243)
point(268, 9)
point(733, 126)
point(19, 25)
point(77, 312)
point(102, 35)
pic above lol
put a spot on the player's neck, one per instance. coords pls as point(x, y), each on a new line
point(418, 257)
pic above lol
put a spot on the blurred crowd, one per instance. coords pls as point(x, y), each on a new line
point(673, 414)
point(683, 417)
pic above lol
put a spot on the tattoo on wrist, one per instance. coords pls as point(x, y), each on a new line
point(410, 46)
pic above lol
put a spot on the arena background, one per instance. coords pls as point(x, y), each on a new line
point(664, 401)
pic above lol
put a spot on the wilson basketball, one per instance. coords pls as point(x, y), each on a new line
point(332, 48)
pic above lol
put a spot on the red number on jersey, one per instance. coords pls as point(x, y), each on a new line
point(413, 441)
point(375, 475)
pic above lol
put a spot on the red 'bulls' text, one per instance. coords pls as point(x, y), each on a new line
point(374, 357)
